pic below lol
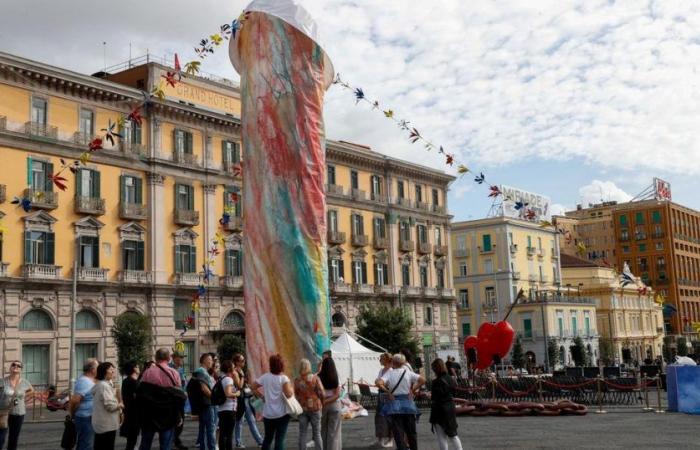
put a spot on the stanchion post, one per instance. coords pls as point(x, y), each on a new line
point(659, 409)
point(646, 395)
point(539, 389)
point(599, 388)
point(493, 390)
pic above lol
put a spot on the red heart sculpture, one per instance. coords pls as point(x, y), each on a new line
point(470, 342)
point(492, 340)
point(503, 336)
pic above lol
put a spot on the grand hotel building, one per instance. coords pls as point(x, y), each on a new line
point(139, 214)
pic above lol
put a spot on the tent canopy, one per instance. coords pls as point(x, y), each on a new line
point(352, 359)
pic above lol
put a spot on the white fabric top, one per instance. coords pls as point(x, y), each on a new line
point(275, 406)
point(391, 378)
point(230, 403)
point(105, 407)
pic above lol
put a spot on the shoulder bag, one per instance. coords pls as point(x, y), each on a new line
point(292, 405)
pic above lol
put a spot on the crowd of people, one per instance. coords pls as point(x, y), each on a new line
point(154, 397)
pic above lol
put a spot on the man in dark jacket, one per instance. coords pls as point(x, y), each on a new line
point(160, 399)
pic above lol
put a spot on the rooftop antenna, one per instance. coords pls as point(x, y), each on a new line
point(129, 54)
point(104, 56)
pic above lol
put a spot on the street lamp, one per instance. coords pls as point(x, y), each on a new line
point(71, 362)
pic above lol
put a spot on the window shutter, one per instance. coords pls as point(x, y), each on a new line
point(49, 182)
point(354, 271)
point(175, 136)
point(188, 143)
point(177, 190)
point(140, 256)
point(364, 273)
point(224, 153)
point(361, 222)
point(122, 188)
point(193, 259)
point(96, 252)
point(30, 174)
point(28, 247)
point(227, 262)
point(376, 274)
point(178, 261)
point(49, 248)
point(386, 274)
point(341, 269)
point(79, 182)
point(138, 184)
point(95, 184)
point(190, 198)
point(236, 152)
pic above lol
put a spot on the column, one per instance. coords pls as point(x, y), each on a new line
point(157, 141)
point(156, 242)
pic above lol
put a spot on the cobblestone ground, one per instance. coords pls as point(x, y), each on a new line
point(618, 429)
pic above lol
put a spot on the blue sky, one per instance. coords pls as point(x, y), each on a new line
point(566, 98)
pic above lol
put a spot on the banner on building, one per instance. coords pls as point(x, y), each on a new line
point(662, 189)
point(519, 204)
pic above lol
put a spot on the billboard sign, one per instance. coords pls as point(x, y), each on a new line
point(519, 204)
point(662, 189)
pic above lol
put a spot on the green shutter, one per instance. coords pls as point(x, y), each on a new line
point(79, 182)
point(140, 257)
point(122, 188)
point(30, 174)
point(95, 184)
point(193, 259)
point(96, 251)
point(177, 189)
point(227, 262)
point(138, 183)
point(466, 329)
point(28, 247)
point(486, 242)
point(364, 273)
point(639, 218)
point(341, 269)
point(224, 153)
point(376, 274)
point(188, 143)
point(656, 216)
point(49, 248)
point(236, 153)
point(623, 219)
point(178, 263)
point(175, 132)
point(49, 182)
point(386, 274)
point(190, 198)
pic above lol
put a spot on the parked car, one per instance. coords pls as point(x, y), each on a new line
point(57, 401)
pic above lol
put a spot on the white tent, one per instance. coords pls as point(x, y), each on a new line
point(354, 361)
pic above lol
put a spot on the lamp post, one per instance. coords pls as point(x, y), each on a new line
point(544, 332)
point(74, 298)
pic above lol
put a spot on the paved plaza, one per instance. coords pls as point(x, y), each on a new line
point(620, 428)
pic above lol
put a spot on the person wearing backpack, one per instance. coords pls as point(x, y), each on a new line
point(309, 391)
point(225, 397)
point(202, 398)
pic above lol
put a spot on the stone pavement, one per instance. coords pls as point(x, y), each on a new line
point(620, 428)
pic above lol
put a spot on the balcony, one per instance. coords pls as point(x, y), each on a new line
point(186, 217)
point(336, 237)
point(358, 194)
point(659, 330)
point(423, 206)
point(439, 209)
point(423, 248)
point(42, 199)
point(359, 240)
point(440, 250)
point(544, 279)
point(446, 292)
point(516, 275)
point(135, 277)
point(461, 253)
point(403, 201)
point(377, 197)
point(3, 269)
point(531, 251)
point(380, 243)
point(513, 248)
point(624, 238)
point(92, 274)
point(429, 291)
point(640, 236)
point(364, 289)
point(411, 291)
point(231, 282)
point(89, 205)
point(82, 139)
point(188, 159)
point(132, 149)
point(554, 254)
point(41, 271)
point(540, 253)
point(41, 130)
point(483, 251)
point(334, 189)
point(188, 279)
point(341, 288)
point(405, 246)
point(531, 278)
point(132, 211)
point(3, 193)
point(657, 234)
point(234, 224)
point(386, 289)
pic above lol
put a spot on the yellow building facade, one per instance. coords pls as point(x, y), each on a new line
point(138, 216)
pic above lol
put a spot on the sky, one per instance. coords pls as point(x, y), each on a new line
point(581, 101)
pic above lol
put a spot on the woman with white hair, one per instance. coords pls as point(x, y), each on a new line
point(400, 385)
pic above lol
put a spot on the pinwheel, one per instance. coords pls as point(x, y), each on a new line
point(135, 115)
point(494, 191)
point(169, 78)
point(449, 159)
point(359, 95)
point(545, 224)
point(530, 214)
point(581, 249)
point(389, 114)
point(225, 219)
point(95, 144)
point(480, 179)
point(59, 181)
point(111, 132)
point(192, 68)
point(414, 136)
point(25, 203)
point(520, 205)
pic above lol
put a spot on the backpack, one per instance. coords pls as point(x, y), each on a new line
point(197, 398)
point(218, 396)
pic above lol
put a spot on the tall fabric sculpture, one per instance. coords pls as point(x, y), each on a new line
point(284, 76)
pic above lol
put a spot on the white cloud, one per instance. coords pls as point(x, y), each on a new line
point(557, 209)
point(602, 191)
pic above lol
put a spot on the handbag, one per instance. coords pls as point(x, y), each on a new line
point(401, 404)
point(69, 437)
point(293, 407)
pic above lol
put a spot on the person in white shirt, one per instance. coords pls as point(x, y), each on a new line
point(400, 384)
point(382, 430)
point(274, 384)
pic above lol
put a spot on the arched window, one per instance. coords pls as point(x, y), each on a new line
point(338, 319)
point(87, 320)
point(234, 321)
point(36, 320)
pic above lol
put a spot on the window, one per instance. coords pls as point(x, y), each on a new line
point(359, 272)
point(38, 247)
point(86, 320)
point(83, 352)
point(181, 311)
point(2, 236)
point(338, 320)
point(189, 361)
point(422, 234)
point(461, 242)
point(331, 175)
point(358, 225)
point(399, 189)
point(88, 183)
point(354, 182)
point(574, 323)
point(89, 252)
point(587, 323)
point(231, 152)
point(333, 220)
point(642, 247)
point(39, 109)
point(39, 175)
point(656, 217)
point(539, 243)
point(428, 318)
point(490, 296)
point(443, 316)
point(541, 274)
point(376, 186)
point(560, 323)
point(466, 329)
point(381, 274)
point(133, 255)
point(624, 235)
point(184, 197)
point(35, 359)
point(464, 298)
point(440, 275)
point(419, 193)
point(87, 122)
point(337, 272)
point(131, 190)
point(36, 320)
point(405, 275)
point(404, 231)
point(488, 266)
point(233, 260)
point(463, 269)
point(527, 328)
point(623, 220)
point(379, 226)
point(185, 259)
point(183, 142)
point(486, 242)
point(135, 132)
point(625, 249)
point(235, 207)
point(423, 271)
point(639, 218)
point(436, 197)
point(438, 236)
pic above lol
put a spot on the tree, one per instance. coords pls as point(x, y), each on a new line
point(605, 347)
point(132, 336)
point(682, 345)
point(517, 357)
point(389, 327)
point(578, 352)
point(552, 353)
point(589, 356)
point(229, 346)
